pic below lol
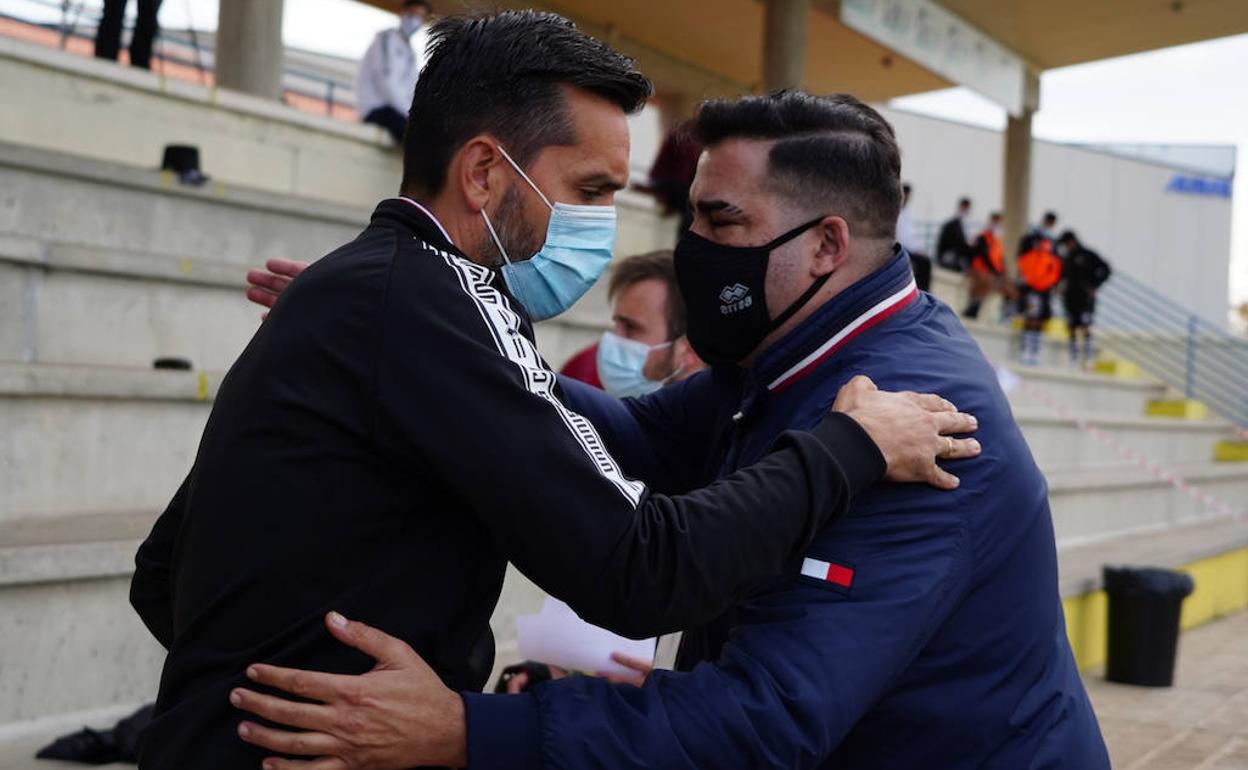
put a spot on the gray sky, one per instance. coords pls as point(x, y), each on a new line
point(1188, 94)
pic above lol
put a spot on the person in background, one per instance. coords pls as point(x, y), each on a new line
point(953, 249)
point(108, 35)
point(390, 68)
point(1046, 229)
point(646, 346)
point(1039, 270)
point(920, 262)
point(987, 267)
point(672, 173)
point(1083, 272)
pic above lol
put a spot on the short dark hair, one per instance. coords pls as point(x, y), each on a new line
point(414, 3)
point(1050, 216)
point(1068, 237)
point(503, 74)
point(905, 188)
point(657, 266)
point(964, 203)
point(829, 150)
point(995, 215)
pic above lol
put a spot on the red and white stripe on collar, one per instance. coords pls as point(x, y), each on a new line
point(429, 214)
point(876, 315)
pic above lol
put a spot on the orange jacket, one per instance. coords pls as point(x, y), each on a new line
point(995, 260)
point(1039, 267)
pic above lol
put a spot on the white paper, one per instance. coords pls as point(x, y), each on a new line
point(557, 636)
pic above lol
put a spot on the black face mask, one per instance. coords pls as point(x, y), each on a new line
point(724, 292)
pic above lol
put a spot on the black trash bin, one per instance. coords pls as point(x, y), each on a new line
point(1144, 609)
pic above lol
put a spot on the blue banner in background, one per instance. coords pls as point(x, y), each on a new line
point(1197, 185)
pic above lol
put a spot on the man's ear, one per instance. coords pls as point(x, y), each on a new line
point(477, 165)
point(833, 246)
point(687, 361)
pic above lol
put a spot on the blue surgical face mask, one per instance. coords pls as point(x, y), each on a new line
point(620, 365)
point(579, 243)
point(410, 24)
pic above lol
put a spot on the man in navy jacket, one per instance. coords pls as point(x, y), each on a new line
point(923, 630)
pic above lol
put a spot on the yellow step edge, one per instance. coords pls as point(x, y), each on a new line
point(1183, 408)
point(1231, 452)
point(1221, 589)
point(1116, 367)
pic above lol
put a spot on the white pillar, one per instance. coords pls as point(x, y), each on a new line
point(1016, 182)
point(249, 47)
point(784, 43)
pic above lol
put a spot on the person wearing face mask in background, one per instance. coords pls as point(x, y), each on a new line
point(390, 68)
point(953, 248)
point(646, 346)
point(1039, 270)
point(390, 438)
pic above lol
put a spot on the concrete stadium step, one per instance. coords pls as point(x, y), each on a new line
point(1000, 345)
point(83, 305)
point(80, 438)
point(1083, 391)
point(1090, 504)
point(64, 583)
point(1057, 443)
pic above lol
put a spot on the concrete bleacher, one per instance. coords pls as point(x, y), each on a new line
point(106, 265)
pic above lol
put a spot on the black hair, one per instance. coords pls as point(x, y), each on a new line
point(830, 151)
point(964, 203)
point(995, 215)
point(1050, 216)
point(1068, 237)
point(503, 74)
point(414, 3)
point(905, 188)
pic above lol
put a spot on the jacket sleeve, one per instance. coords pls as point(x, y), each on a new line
point(806, 662)
point(464, 400)
point(1101, 271)
point(151, 590)
point(663, 438)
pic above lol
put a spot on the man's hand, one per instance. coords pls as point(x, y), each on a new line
point(264, 286)
point(912, 430)
point(398, 715)
point(640, 669)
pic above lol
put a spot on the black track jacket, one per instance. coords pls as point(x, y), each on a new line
point(388, 440)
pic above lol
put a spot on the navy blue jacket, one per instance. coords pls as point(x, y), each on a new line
point(924, 630)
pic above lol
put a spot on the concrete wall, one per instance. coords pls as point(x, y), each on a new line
point(1178, 243)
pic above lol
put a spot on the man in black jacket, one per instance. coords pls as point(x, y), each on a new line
point(1083, 272)
point(390, 437)
point(953, 249)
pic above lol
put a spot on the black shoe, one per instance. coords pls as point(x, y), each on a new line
point(90, 747)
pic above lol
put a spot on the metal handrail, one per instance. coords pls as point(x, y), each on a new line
point(1175, 345)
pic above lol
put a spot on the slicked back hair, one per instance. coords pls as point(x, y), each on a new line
point(504, 74)
point(832, 154)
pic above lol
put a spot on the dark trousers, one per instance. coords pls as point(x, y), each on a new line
point(108, 36)
point(390, 119)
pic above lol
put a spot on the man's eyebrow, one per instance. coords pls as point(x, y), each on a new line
point(717, 206)
point(605, 181)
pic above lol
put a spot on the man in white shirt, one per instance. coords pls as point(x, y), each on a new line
point(388, 72)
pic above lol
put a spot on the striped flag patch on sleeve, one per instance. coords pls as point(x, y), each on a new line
point(830, 572)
